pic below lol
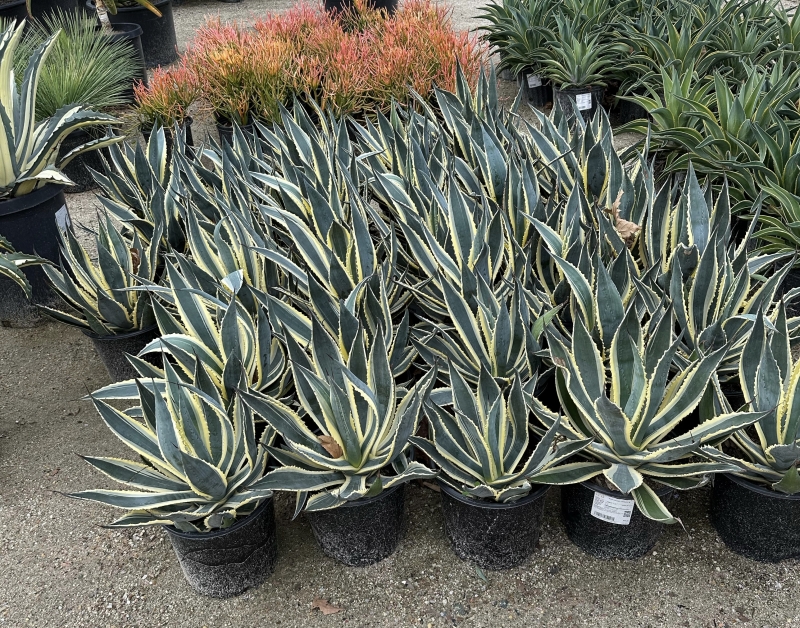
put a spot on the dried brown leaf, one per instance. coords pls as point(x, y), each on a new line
point(324, 605)
point(330, 445)
point(626, 229)
point(136, 259)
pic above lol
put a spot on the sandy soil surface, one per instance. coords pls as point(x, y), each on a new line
point(60, 568)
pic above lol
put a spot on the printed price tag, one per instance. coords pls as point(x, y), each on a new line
point(611, 509)
point(534, 81)
point(62, 218)
point(583, 101)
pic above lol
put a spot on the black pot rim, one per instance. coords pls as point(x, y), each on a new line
point(125, 336)
point(30, 200)
point(14, 4)
point(587, 89)
point(661, 490)
point(218, 533)
point(369, 500)
point(127, 30)
point(157, 3)
point(758, 488)
point(476, 503)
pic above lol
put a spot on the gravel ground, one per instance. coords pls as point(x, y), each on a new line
point(61, 568)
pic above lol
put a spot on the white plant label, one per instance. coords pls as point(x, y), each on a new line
point(534, 81)
point(583, 101)
point(611, 509)
point(62, 218)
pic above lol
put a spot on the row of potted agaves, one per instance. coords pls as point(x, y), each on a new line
point(341, 531)
point(169, 473)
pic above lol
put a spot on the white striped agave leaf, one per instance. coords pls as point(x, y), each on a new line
point(215, 340)
point(366, 309)
point(501, 335)
point(12, 263)
point(770, 380)
point(199, 461)
point(349, 442)
point(102, 294)
point(141, 190)
point(483, 444)
point(632, 405)
point(29, 150)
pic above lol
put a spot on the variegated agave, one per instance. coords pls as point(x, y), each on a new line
point(141, 190)
point(102, 294)
point(349, 442)
point(482, 445)
point(12, 263)
point(29, 150)
point(500, 335)
point(220, 338)
point(199, 461)
point(632, 404)
point(770, 381)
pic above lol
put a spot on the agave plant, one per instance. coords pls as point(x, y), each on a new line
point(12, 263)
point(199, 460)
point(483, 447)
point(632, 403)
point(770, 381)
point(350, 442)
point(29, 150)
point(102, 294)
point(233, 347)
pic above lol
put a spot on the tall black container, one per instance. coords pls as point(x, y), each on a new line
point(112, 350)
point(362, 532)
point(159, 42)
point(755, 521)
point(536, 90)
point(31, 223)
point(228, 562)
point(132, 33)
point(601, 538)
point(493, 535)
point(586, 100)
point(14, 11)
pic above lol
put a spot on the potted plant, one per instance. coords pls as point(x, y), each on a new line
point(346, 458)
point(32, 204)
point(165, 101)
point(198, 463)
point(158, 41)
point(12, 263)
point(493, 482)
point(756, 507)
point(87, 65)
point(118, 319)
point(628, 396)
point(579, 65)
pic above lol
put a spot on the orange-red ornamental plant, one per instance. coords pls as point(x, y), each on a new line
point(354, 63)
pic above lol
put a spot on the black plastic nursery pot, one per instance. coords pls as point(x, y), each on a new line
point(228, 562)
point(132, 33)
point(225, 131)
point(14, 11)
point(792, 280)
point(535, 89)
point(628, 111)
point(600, 537)
point(755, 521)
point(159, 42)
point(41, 9)
point(345, 5)
point(112, 350)
point(31, 223)
point(495, 536)
point(585, 99)
point(361, 532)
point(77, 169)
